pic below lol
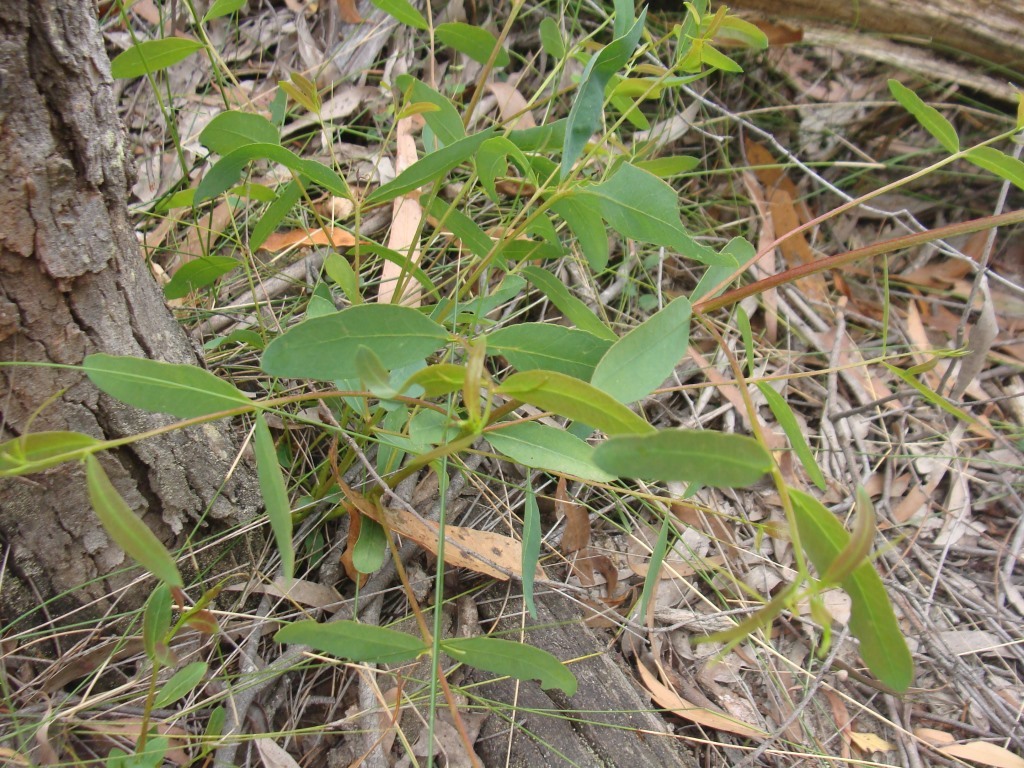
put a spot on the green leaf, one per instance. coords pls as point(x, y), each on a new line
point(444, 121)
point(429, 168)
point(340, 271)
point(576, 400)
point(718, 459)
point(518, 660)
point(275, 495)
point(543, 447)
point(475, 42)
point(232, 130)
point(736, 252)
point(542, 138)
point(531, 544)
point(667, 167)
point(929, 117)
point(324, 348)
point(588, 226)
point(492, 163)
point(551, 347)
point(784, 415)
point(125, 528)
point(371, 546)
point(181, 683)
point(156, 620)
point(403, 11)
point(275, 213)
point(625, 13)
point(354, 641)
point(222, 8)
point(37, 451)
point(226, 171)
point(743, 321)
point(570, 306)
point(872, 621)
point(373, 374)
point(152, 55)
point(641, 360)
point(743, 32)
point(438, 380)
point(588, 106)
point(551, 38)
point(1002, 165)
point(462, 226)
point(640, 206)
point(198, 273)
point(524, 249)
point(183, 391)
point(654, 568)
point(715, 58)
point(409, 267)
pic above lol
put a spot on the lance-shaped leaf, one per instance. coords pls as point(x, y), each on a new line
point(576, 400)
point(183, 391)
point(37, 451)
point(475, 42)
point(226, 171)
point(233, 129)
point(125, 528)
point(1000, 163)
point(152, 55)
point(784, 415)
point(275, 495)
point(444, 120)
point(551, 347)
point(325, 347)
point(354, 641)
point(717, 459)
point(543, 447)
point(872, 621)
point(929, 117)
point(518, 660)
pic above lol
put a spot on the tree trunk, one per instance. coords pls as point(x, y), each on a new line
point(72, 283)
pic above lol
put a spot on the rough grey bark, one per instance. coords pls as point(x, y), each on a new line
point(73, 282)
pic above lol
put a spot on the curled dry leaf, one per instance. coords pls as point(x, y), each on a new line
point(576, 535)
point(333, 236)
point(665, 697)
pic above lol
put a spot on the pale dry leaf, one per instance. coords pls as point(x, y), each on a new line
point(966, 641)
point(511, 106)
point(301, 591)
point(406, 219)
point(982, 752)
point(869, 742)
point(333, 236)
point(983, 334)
point(130, 728)
point(667, 698)
point(765, 265)
point(274, 756)
point(576, 535)
point(841, 715)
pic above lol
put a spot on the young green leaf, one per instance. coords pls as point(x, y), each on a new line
point(667, 167)
point(183, 391)
point(373, 374)
point(872, 621)
point(354, 641)
point(518, 660)
point(576, 400)
point(324, 348)
point(340, 271)
point(551, 38)
point(156, 620)
point(198, 273)
point(531, 545)
point(654, 568)
point(222, 8)
point(588, 226)
point(437, 380)
point(125, 528)
point(784, 415)
point(640, 361)
point(543, 447)
point(403, 11)
point(570, 306)
point(371, 546)
point(36, 451)
point(444, 121)
point(718, 459)
point(587, 108)
point(475, 42)
point(1001, 164)
point(152, 56)
point(275, 495)
point(743, 321)
point(232, 130)
point(551, 347)
point(181, 683)
point(639, 205)
point(929, 117)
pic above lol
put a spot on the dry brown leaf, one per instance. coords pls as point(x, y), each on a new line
point(841, 715)
point(677, 705)
point(349, 12)
point(274, 756)
point(869, 742)
point(766, 261)
point(407, 214)
point(576, 535)
point(130, 729)
point(333, 236)
point(977, 751)
point(512, 106)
